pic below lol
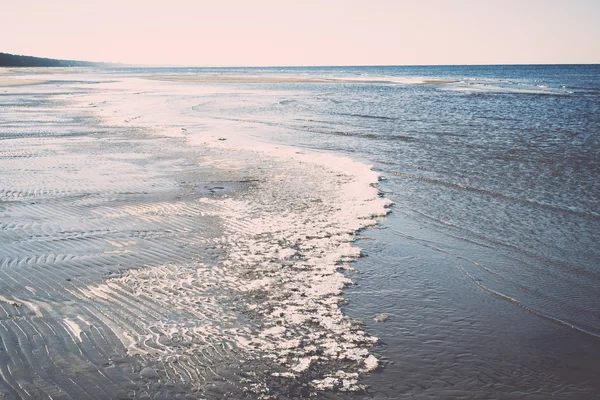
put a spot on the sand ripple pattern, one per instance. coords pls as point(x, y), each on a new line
point(74, 213)
point(286, 244)
point(133, 265)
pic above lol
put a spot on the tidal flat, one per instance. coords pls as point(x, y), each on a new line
point(335, 232)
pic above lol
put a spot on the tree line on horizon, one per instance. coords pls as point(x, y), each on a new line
point(13, 60)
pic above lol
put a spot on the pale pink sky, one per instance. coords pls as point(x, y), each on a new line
point(304, 32)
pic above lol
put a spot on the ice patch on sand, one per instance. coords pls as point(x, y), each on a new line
point(274, 296)
point(307, 208)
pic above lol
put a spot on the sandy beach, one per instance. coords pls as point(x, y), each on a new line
point(177, 266)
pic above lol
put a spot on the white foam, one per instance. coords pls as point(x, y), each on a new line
point(284, 242)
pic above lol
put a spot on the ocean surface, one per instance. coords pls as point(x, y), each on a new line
point(488, 263)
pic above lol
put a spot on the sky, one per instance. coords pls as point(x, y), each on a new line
point(304, 32)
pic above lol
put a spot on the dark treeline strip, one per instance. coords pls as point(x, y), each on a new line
point(12, 60)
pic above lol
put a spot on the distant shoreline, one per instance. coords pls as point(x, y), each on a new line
point(16, 61)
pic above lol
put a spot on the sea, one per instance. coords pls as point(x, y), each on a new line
point(477, 278)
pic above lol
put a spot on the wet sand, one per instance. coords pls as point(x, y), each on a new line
point(77, 210)
point(137, 263)
point(5, 82)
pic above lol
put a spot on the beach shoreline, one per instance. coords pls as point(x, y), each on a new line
point(271, 229)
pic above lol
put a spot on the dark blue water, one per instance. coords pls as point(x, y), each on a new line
point(495, 231)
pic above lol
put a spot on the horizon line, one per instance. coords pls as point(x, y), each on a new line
point(151, 65)
point(335, 65)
